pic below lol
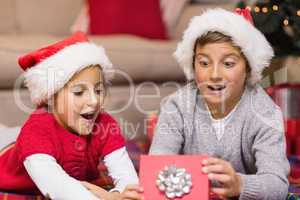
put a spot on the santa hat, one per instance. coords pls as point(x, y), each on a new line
point(47, 70)
point(239, 26)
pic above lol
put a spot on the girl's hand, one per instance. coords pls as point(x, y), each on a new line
point(131, 192)
point(96, 190)
point(222, 171)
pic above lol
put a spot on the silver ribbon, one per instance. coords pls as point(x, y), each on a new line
point(174, 182)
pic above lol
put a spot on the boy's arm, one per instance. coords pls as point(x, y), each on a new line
point(168, 137)
point(269, 150)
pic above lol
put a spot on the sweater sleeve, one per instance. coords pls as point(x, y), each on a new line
point(168, 137)
point(268, 148)
point(53, 181)
point(121, 169)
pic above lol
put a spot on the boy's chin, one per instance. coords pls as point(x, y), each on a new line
point(215, 101)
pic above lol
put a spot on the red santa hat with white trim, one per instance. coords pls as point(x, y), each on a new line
point(239, 26)
point(48, 69)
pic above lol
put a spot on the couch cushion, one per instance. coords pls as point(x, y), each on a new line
point(139, 58)
point(142, 59)
point(142, 18)
point(194, 10)
point(7, 16)
point(170, 14)
point(51, 17)
point(11, 47)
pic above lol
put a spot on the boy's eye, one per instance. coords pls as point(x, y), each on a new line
point(203, 63)
point(229, 64)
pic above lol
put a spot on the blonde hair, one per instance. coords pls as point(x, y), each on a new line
point(105, 86)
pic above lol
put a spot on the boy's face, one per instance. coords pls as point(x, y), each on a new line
point(220, 73)
point(77, 105)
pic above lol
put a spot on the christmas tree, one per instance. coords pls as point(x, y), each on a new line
point(279, 21)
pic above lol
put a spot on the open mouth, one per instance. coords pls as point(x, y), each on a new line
point(216, 88)
point(88, 116)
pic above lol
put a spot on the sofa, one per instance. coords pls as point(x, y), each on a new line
point(147, 72)
point(146, 69)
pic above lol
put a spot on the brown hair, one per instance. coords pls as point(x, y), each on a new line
point(217, 37)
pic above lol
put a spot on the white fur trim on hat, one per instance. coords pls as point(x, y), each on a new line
point(252, 42)
point(49, 76)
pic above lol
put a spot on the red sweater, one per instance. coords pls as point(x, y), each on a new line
point(78, 155)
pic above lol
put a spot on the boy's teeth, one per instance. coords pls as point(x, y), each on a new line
point(217, 87)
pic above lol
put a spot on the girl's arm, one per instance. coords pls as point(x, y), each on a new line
point(121, 169)
point(53, 181)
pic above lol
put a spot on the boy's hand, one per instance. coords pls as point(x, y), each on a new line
point(222, 171)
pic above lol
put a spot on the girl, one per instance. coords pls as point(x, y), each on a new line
point(62, 141)
point(224, 112)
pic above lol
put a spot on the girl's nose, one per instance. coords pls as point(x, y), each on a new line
point(93, 99)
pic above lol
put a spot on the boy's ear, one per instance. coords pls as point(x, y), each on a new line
point(248, 75)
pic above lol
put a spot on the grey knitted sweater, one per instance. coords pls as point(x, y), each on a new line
point(253, 141)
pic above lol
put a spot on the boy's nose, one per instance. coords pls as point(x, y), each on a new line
point(215, 74)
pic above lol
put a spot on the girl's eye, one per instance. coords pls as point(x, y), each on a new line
point(78, 93)
point(99, 91)
point(229, 64)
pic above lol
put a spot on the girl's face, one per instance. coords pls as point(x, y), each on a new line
point(77, 105)
point(220, 73)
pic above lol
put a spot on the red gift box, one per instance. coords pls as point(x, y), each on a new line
point(150, 166)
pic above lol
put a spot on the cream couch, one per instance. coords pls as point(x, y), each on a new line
point(27, 25)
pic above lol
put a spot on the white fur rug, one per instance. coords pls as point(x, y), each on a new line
point(8, 135)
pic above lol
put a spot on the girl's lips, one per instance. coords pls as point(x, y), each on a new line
point(87, 122)
point(88, 116)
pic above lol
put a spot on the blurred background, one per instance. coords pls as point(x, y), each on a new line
point(140, 37)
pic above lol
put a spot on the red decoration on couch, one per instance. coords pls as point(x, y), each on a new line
point(142, 18)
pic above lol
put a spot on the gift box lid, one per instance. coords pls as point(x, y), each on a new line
point(153, 165)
